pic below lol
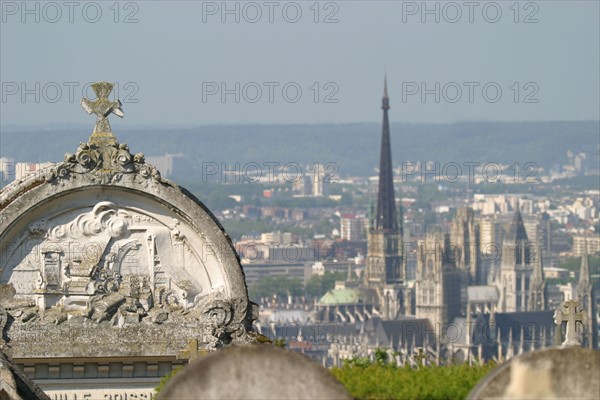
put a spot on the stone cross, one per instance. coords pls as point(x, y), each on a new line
point(102, 107)
point(568, 313)
point(421, 356)
point(554, 373)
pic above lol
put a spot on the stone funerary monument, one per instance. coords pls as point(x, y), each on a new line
point(111, 275)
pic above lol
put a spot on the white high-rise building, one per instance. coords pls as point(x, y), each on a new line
point(352, 227)
point(321, 181)
point(593, 245)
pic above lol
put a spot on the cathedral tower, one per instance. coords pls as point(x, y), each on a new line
point(587, 301)
point(439, 281)
point(386, 268)
point(537, 286)
point(385, 261)
point(465, 238)
point(515, 268)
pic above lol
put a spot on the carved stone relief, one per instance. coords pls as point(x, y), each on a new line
point(101, 258)
point(109, 264)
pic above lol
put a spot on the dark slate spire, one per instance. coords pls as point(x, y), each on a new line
point(517, 232)
point(386, 207)
point(518, 240)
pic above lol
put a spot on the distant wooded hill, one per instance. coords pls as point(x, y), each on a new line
point(353, 147)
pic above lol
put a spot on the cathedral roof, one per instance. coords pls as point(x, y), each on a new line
point(342, 296)
point(526, 320)
point(483, 294)
point(394, 333)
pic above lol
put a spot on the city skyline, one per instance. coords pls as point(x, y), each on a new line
point(258, 195)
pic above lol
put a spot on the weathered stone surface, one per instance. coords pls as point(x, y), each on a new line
point(101, 242)
point(254, 372)
point(555, 373)
point(15, 385)
point(108, 270)
point(570, 312)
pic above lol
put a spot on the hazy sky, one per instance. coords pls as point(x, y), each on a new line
point(172, 61)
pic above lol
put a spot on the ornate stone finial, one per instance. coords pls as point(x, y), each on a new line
point(103, 160)
point(102, 107)
point(569, 314)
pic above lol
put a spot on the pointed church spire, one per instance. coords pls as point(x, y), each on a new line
point(585, 295)
point(518, 240)
point(510, 351)
point(386, 205)
point(584, 271)
point(522, 341)
point(517, 228)
point(500, 352)
point(385, 261)
point(385, 92)
point(537, 288)
point(538, 267)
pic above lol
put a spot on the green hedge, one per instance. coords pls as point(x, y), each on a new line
point(165, 379)
point(381, 381)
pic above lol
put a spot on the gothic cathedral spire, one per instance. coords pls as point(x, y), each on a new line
point(385, 263)
point(386, 206)
point(537, 287)
point(587, 301)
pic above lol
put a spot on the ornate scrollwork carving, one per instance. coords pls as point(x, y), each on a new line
point(224, 322)
point(216, 317)
point(217, 313)
point(102, 159)
point(104, 163)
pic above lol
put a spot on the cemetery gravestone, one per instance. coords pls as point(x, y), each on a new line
point(569, 313)
point(254, 372)
point(563, 373)
point(111, 275)
point(566, 372)
point(15, 385)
